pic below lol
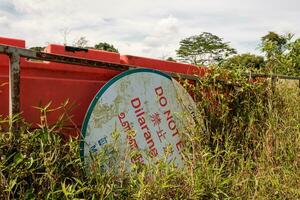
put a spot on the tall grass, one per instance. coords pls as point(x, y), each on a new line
point(246, 146)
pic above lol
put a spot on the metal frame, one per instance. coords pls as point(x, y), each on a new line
point(15, 53)
point(276, 76)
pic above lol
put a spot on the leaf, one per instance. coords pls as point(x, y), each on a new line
point(18, 158)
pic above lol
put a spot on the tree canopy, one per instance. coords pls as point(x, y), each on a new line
point(171, 59)
point(204, 49)
point(37, 48)
point(106, 47)
point(246, 60)
point(277, 41)
point(282, 53)
point(83, 43)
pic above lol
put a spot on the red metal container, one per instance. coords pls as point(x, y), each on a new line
point(44, 82)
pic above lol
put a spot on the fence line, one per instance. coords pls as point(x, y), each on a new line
point(15, 53)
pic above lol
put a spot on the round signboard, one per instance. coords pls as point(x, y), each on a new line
point(147, 109)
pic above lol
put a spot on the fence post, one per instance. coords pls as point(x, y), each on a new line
point(273, 84)
point(14, 92)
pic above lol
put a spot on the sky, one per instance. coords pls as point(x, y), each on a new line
point(150, 28)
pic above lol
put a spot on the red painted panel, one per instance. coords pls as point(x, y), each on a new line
point(39, 91)
point(12, 42)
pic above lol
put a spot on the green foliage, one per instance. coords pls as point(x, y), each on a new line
point(293, 57)
point(204, 49)
point(228, 100)
point(282, 54)
point(39, 49)
point(245, 146)
point(41, 164)
point(244, 61)
point(278, 41)
point(171, 59)
point(106, 47)
point(82, 42)
point(249, 138)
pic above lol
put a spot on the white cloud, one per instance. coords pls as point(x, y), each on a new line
point(147, 28)
point(163, 32)
point(163, 35)
point(3, 19)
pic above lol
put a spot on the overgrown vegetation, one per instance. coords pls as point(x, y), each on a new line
point(280, 54)
point(246, 145)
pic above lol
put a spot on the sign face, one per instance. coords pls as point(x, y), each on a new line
point(147, 109)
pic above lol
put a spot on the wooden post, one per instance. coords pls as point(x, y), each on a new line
point(14, 92)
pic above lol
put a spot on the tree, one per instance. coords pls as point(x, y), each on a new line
point(246, 60)
point(82, 42)
point(273, 43)
point(293, 56)
point(106, 47)
point(171, 59)
point(204, 49)
point(39, 49)
point(282, 53)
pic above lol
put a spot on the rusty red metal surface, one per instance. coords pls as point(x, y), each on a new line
point(43, 82)
point(162, 65)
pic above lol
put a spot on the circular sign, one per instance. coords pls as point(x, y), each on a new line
point(147, 109)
